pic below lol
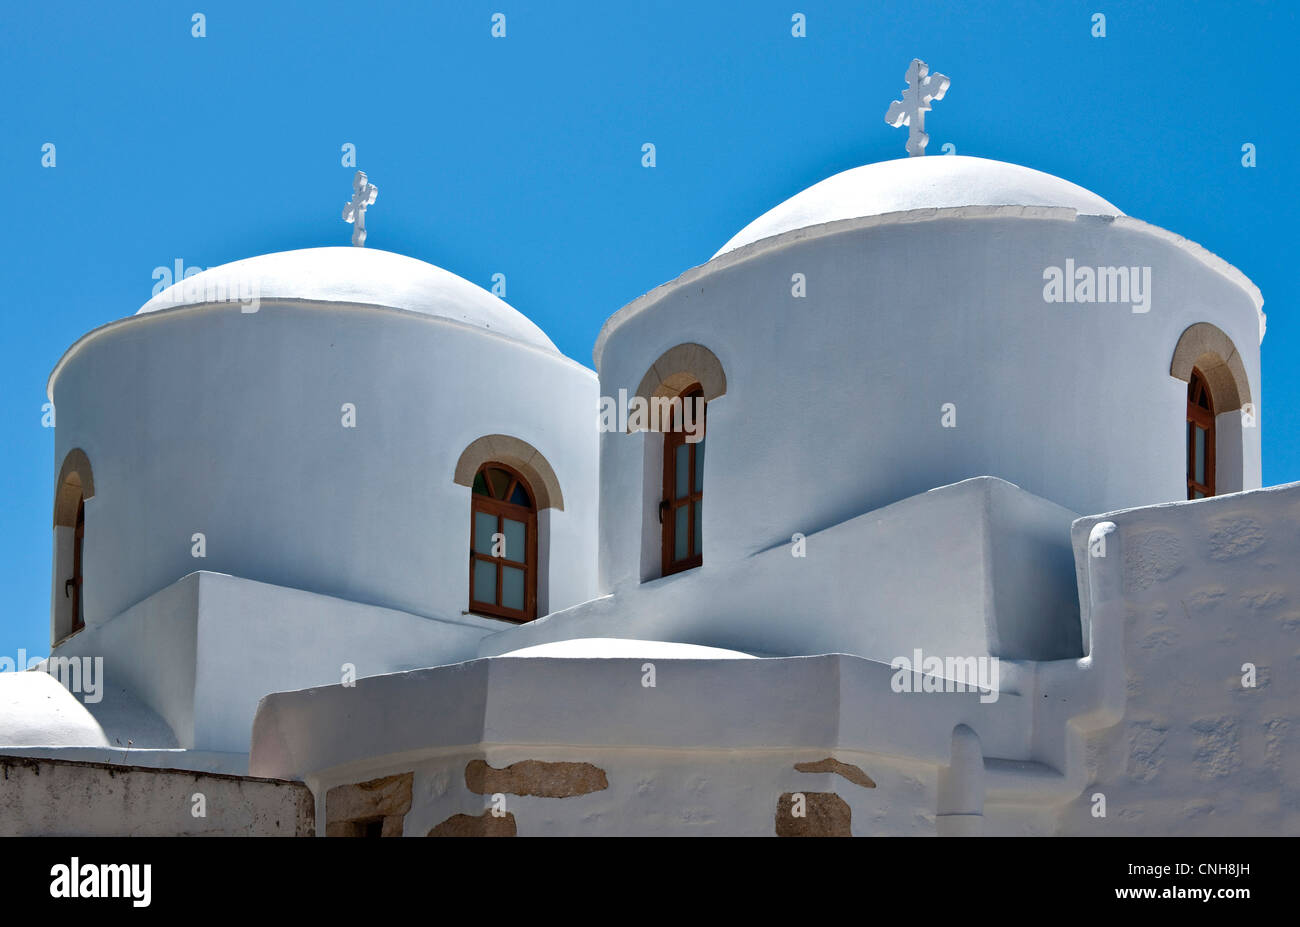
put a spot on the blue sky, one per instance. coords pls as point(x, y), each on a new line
point(522, 155)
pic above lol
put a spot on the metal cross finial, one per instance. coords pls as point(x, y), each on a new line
point(363, 194)
point(922, 87)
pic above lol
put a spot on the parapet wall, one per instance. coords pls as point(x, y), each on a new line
point(61, 798)
point(1194, 620)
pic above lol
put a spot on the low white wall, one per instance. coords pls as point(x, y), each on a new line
point(976, 568)
point(150, 651)
point(709, 749)
point(255, 639)
point(203, 651)
point(58, 798)
point(231, 764)
point(663, 793)
point(1186, 595)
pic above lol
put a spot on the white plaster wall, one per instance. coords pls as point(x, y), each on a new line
point(215, 421)
point(823, 702)
point(833, 401)
point(977, 568)
point(255, 639)
point(662, 793)
point(36, 709)
point(202, 652)
point(149, 655)
point(1230, 474)
point(708, 750)
point(1155, 718)
point(1186, 595)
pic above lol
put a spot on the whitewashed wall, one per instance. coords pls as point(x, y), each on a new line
point(229, 424)
point(833, 402)
point(1184, 598)
point(202, 652)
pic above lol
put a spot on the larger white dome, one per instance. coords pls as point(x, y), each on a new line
point(355, 276)
point(935, 182)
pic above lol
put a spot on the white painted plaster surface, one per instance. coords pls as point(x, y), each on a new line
point(919, 183)
point(359, 277)
point(36, 709)
point(596, 648)
point(214, 422)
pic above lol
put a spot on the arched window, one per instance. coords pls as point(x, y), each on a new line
point(503, 544)
point(1222, 450)
point(75, 486)
point(682, 504)
point(1200, 437)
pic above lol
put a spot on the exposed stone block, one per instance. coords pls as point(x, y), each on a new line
point(535, 777)
point(357, 810)
point(485, 825)
point(831, 765)
point(825, 814)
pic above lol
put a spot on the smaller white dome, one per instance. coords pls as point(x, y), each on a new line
point(934, 182)
point(607, 648)
point(36, 711)
point(357, 276)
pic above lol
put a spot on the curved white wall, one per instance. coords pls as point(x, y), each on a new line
point(228, 423)
point(833, 402)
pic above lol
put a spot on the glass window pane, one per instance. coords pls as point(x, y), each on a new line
point(480, 484)
point(520, 496)
point(499, 480)
point(512, 588)
point(1199, 475)
point(516, 536)
point(1197, 494)
point(699, 465)
point(485, 582)
point(682, 468)
point(485, 525)
point(680, 537)
point(699, 519)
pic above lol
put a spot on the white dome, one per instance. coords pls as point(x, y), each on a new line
point(359, 276)
point(935, 182)
point(36, 711)
point(613, 648)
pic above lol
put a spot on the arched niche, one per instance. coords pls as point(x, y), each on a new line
point(961, 787)
point(1205, 347)
point(681, 367)
point(521, 455)
point(76, 482)
point(676, 371)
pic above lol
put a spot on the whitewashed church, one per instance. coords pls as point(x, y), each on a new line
point(948, 521)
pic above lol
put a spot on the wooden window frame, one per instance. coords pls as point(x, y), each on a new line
point(674, 438)
point(1203, 418)
point(78, 620)
point(503, 509)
